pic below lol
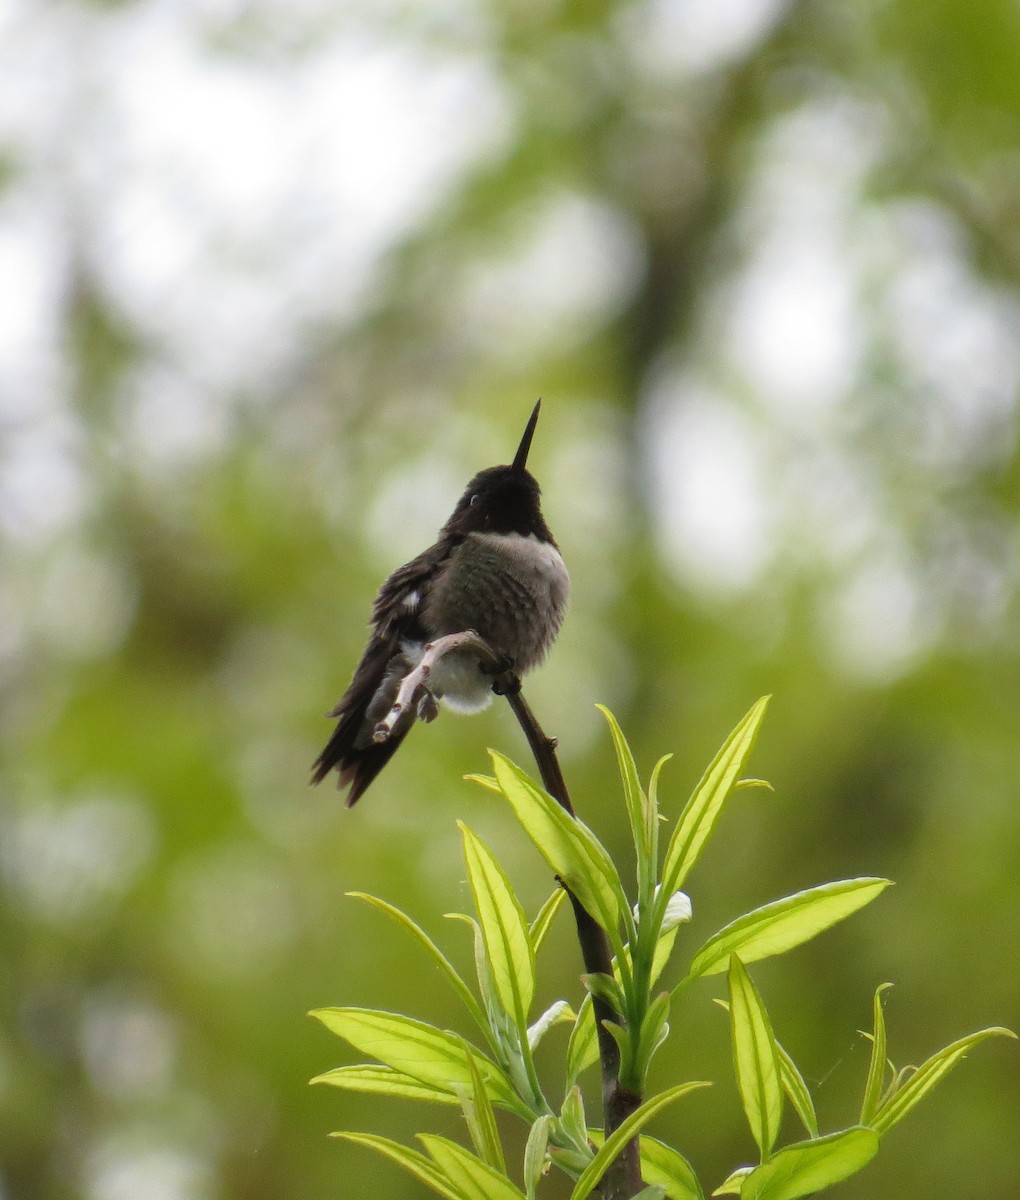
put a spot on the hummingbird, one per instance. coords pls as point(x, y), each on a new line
point(495, 569)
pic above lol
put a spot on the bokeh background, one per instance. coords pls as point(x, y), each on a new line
point(276, 277)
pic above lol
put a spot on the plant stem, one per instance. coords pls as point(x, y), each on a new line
point(623, 1178)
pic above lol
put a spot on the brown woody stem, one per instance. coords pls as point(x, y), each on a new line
point(623, 1178)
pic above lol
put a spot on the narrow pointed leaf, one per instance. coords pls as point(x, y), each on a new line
point(638, 812)
point(780, 926)
point(423, 939)
point(653, 1030)
point(481, 1119)
point(633, 1124)
point(703, 809)
point(878, 1066)
point(797, 1090)
point(572, 1117)
point(793, 1085)
point(583, 1046)
point(807, 1167)
point(913, 1090)
point(495, 1016)
point(384, 1081)
point(417, 1164)
point(755, 1059)
point(653, 1192)
point(653, 785)
point(621, 1037)
point(663, 949)
point(486, 987)
point(487, 781)
point(653, 807)
point(535, 1154)
point(504, 928)
point(473, 1179)
point(568, 846)
point(413, 1048)
point(543, 922)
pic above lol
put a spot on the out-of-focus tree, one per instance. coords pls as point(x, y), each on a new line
point(275, 279)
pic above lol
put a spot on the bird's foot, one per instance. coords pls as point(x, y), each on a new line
point(504, 681)
point(501, 666)
point(428, 706)
point(507, 684)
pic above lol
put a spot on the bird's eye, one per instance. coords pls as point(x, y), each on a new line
point(474, 499)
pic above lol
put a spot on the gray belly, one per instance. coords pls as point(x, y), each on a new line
point(511, 590)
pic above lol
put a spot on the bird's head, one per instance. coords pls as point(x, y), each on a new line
point(503, 499)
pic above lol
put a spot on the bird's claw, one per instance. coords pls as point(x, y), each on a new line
point(507, 685)
point(501, 666)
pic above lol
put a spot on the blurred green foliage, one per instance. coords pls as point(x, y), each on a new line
point(762, 266)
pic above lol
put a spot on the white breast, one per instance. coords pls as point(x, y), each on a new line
point(536, 557)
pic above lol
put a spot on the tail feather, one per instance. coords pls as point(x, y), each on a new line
point(357, 766)
point(350, 750)
point(363, 766)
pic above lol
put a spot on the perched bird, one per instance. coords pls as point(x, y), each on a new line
point(494, 569)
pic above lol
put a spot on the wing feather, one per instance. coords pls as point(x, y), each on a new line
point(396, 618)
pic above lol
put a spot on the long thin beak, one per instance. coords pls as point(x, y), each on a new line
point(521, 457)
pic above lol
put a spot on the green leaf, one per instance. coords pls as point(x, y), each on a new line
point(417, 1164)
point(481, 1120)
point(473, 1179)
point(535, 1154)
point(497, 1024)
point(621, 1037)
point(807, 1167)
point(667, 1167)
point(583, 1046)
point(632, 1125)
point(913, 1090)
point(572, 1117)
point(419, 934)
point(653, 1192)
point(413, 1048)
point(383, 1081)
point(504, 929)
point(703, 809)
point(755, 1059)
point(557, 1013)
point(653, 1033)
point(878, 1065)
point(795, 1087)
point(571, 1162)
point(568, 846)
point(606, 988)
point(662, 1165)
point(653, 815)
point(663, 949)
point(486, 988)
point(733, 1182)
point(486, 781)
point(777, 927)
point(653, 788)
point(542, 923)
point(642, 821)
